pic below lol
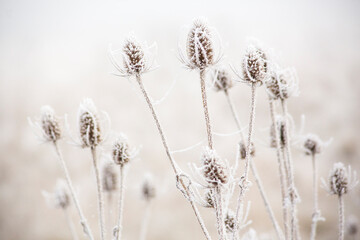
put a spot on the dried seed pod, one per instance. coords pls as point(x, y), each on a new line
point(243, 150)
point(148, 189)
point(222, 80)
point(254, 65)
point(209, 198)
point(120, 152)
point(338, 180)
point(109, 177)
point(229, 221)
point(214, 170)
point(312, 144)
point(282, 83)
point(200, 48)
point(50, 124)
point(281, 132)
point(90, 132)
point(61, 195)
point(134, 58)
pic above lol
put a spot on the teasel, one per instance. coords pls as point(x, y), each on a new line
point(229, 221)
point(140, 58)
point(222, 80)
point(121, 155)
point(148, 193)
point(51, 131)
point(90, 137)
point(109, 178)
point(282, 83)
point(341, 181)
point(280, 124)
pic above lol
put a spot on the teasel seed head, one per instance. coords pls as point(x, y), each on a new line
point(280, 123)
point(109, 177)
point(254, 66)
point(312, 144)
point(282, 83)
point(243, 148)
point(352, 227)
point(200, 49)
point(90, 131)
point(148, 189)
point(134, 57)
point(209, 198)
point(121, 152)
point(215, 171)
point(222, 80)
point(338, 180)
point(50, 124)
point(61, 195)
point(229, 221)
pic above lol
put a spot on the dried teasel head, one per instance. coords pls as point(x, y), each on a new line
point(134, 59)
point(242, 149)
point(121, 152)
point(340, 181)
point(209, 199)
point(312, 145)
point(352, 226)
point(109, 177)
point(229, 221)
point(281, 129)
point(148, 189)
point(282, 83)
point(254, 65)
point(50, 125)
point(200, 46)
point(214, 170)
point(61, 195)
point(222, 79)
point(89, 127)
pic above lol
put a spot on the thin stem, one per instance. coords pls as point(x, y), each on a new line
point(99, 193)
point(145, 221)
point(254, 171)
point(220, 214)
point(70, 224)
point(341, 218)
point(294, 222)
point(167, 150)
point(118, 228)
point(281, 162)
point(316, 213)
point(83, 221)
point(205, 106)
point(243, 185)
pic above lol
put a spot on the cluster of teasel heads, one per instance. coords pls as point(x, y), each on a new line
point(213, 183)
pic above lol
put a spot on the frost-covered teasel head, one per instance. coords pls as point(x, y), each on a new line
point(312, 144)
point(242, 149)
point(109, 177)
point(281, 130)
point(50, 124)
point(214, 170)
point(121, 152)
point(89, 127)
point(282, 83)
point(222, 79)
point(229, 221)
point(254, 65)
point(148, 189)
point(341, 179)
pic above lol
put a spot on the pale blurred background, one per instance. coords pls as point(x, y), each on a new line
point(55, 52)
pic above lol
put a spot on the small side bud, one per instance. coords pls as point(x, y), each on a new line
point(214, 170)
point(50, 124)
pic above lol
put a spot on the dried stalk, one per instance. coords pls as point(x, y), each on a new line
point(220, 214)
point(341, 218)
point(99, 193)
point(316, 213)
point(145, 221)
point(83, 221)
point(167, 150)
point(118, 228)
point(205, 106)
point(70, 224)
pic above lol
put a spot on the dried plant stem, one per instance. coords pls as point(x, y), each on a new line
point(205, 106)
point(99, 193)
point(254, 171)
point(83, 221)
point(145, 221)
point(177, 173)
point(293, 218)
point(118, 228)
point(220, 214)
point(341, 218)
point(316, 213)
point(244, 183)
point(70, 224)
point(281, 163)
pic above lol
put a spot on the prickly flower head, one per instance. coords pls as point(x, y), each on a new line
point(254, 65)
point(222, 80)
point(121, 152)
point(282, 83)
point(200, 49)
point(229, 221)
point(89, 127)
point(312, 144)
point(50, 124)
point(242, 149)
point(134, 57)
point(338, 180)
point(148, 189)
point(215, 171)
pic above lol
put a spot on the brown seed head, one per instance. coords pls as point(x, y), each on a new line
point(312, 144)
point(230, 221)
point(90, 132)
point(214, 170)
point(200, 49)
point(254, 65)
point(148, 189)
point(50, 124)
point(352, 226)
point(134, 57)
point(282, 83)
point(222, 80)
point(243, 150)
point(338, 180)
point(120, 152)
point(109, 177)
point(281, 133)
